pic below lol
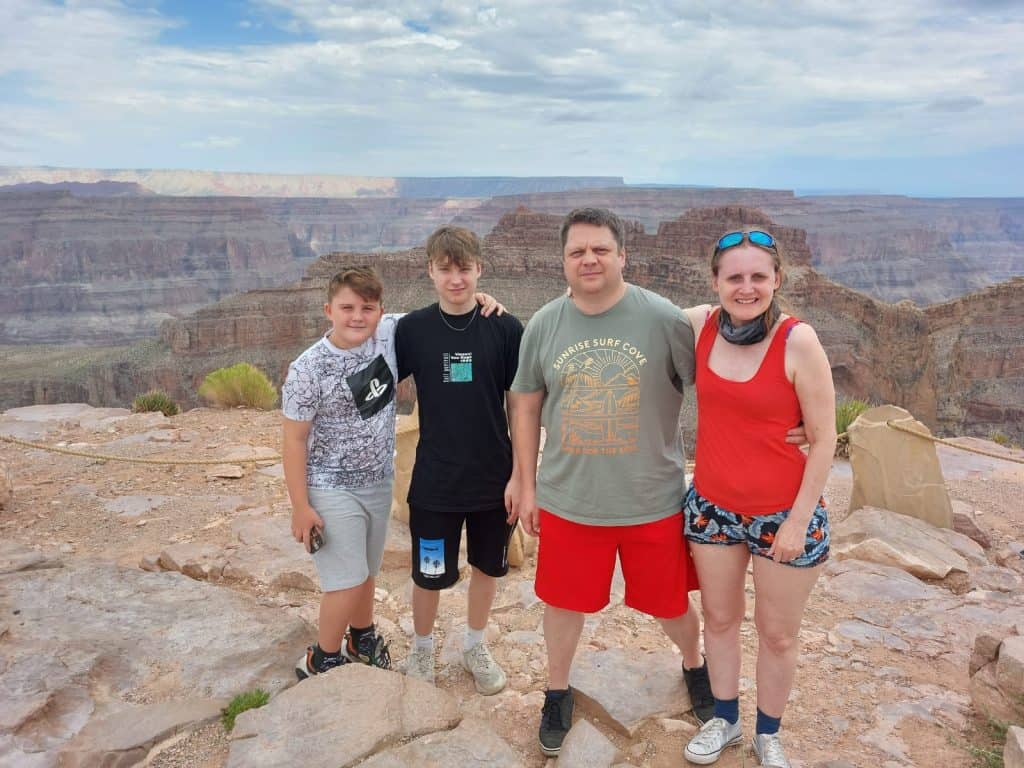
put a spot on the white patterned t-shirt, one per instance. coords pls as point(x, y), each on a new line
point(349, 396)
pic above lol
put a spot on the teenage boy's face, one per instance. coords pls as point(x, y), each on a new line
point(455, 285)
point(354, 318)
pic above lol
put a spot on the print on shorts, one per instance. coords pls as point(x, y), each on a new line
point(601, 409)
point(456, 367)
point(432, 557)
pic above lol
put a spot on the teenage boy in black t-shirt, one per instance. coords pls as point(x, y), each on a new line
point(463, 365)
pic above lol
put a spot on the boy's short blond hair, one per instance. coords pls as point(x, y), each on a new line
point(362, 280)
point(454, 245)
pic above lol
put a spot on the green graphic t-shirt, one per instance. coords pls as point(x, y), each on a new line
point(613, 387)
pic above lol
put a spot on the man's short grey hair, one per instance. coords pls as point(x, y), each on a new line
point(598, 217)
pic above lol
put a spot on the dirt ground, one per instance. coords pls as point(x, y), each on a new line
point(60, 506)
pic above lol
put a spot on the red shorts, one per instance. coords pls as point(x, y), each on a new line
point(576, 562)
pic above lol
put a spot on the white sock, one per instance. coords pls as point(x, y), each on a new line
point(424, 642)
point(473, 638)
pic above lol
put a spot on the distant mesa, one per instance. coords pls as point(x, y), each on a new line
point(80, 188)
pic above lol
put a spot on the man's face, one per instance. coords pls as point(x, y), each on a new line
point(354, 318)
point(592, 260)
point(455, 285)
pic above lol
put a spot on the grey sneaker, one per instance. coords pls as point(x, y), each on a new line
point(768, 748)
point(420, 664)
point(715, 735)
point(488, 676)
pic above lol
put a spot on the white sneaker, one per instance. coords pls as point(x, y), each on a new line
point(768, 748)
point(488, 676)
point(420, 664)
point(714, 736)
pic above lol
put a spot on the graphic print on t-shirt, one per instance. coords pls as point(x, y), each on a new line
point(432, 557)
point(601, 401)
point(372, 388)
point(456, 367)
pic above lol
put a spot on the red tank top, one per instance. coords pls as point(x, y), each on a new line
point(743, 461)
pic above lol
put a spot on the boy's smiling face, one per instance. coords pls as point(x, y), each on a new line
point(354, 318)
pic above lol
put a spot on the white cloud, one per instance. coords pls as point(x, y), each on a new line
point(408, 87)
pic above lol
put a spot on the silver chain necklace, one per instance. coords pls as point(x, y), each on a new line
point(452, 327)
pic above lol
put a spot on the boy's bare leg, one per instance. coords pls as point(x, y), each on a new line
point(480, 598)
point(424, 609)
point(684, 631)
point(336, 611)
point(362, 614)
point(562, 630)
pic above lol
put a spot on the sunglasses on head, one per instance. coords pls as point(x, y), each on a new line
point(755, 236)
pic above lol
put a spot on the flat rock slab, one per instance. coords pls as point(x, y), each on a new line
point(587, 747)
point(14, 558)
point(858, 581)
point(888, 538)
point(625, 689)
point(133, 506)
point(1013, 753)
point(122, 636)
point(339, 718)
point(473, 743)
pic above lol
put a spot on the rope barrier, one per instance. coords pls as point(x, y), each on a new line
point(893, 424)
point(135, 460)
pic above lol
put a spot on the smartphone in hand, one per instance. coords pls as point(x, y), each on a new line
point(316, 540)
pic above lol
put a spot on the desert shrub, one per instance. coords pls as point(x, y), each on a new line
point(847, 411)
point(1001, 438)
point(239, 704)
point(155, 400)
point(240, 384)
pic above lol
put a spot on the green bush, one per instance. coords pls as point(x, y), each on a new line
point(155, 400)
point(239, 704)
point(1000, 438)
point(847, 411)
point(240, 384)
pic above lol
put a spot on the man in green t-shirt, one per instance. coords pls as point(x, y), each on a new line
point(603, 370)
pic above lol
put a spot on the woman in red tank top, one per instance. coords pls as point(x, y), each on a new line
point(759, 373)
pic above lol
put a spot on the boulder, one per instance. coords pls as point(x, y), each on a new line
point(225, 472)
point(965, 521)
point(997, 675)
point(407, 437)
point(125, 636)
point(884, 537)
point(897, 471)
point(14, 557)
point(339, 718)
point(624, 689)
point(6, 488)
point(1013, 753)
point(587, 747)
point(860, 581)
point(472, 743)
point(268, 554)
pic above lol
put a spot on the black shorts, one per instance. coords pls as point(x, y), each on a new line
point(435, 544)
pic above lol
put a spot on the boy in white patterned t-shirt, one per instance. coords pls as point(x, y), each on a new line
point(338, 403)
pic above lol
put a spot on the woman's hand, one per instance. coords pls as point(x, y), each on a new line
point(790, 540)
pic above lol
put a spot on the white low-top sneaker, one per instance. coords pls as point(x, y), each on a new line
point(715, 735)
point(420, 664)
point(768, 748)
point(487, 675)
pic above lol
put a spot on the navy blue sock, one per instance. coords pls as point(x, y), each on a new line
point(729, 709)
point(767, 724)
point(319, 654)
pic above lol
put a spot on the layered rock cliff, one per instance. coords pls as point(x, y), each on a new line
point(958, 366)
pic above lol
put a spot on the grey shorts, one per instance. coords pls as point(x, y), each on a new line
point(355, 528)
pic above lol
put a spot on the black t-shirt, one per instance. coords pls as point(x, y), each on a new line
point(464, 456)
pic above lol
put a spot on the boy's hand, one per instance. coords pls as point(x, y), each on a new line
point(797, 435)
point(488, 304)
point(304, 519)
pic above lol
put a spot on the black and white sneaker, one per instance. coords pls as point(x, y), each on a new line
point(369, 649)
point(555, 722)
point(698, 685)
point(306, 666)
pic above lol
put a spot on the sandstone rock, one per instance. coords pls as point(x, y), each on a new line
point(996, 579)
point(407, 437)
point(269, 555)
point(897, 471)
point(857, 581)
point(1010, 668)
point(517, 547)
point(124, 636)
point(472, 743)
point(966, 547)
point(672, 725)
point(6, 488)
point(125, 736)
point(1013, 753)
point(250, 453)
point(339, 718)
point(14, 558)
point(587, 747)
point(997, 674)
point(966, 522)
point(188, 558)
point(133, 506)
point(226, 471)
point(397, 546)
point(624, 689)
point(881, 536)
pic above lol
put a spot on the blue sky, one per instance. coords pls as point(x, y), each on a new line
point(917, 96)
